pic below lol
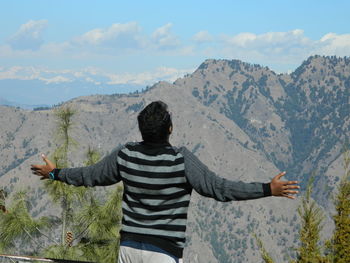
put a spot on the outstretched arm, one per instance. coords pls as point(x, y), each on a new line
point(105, 172)
point(207, 183)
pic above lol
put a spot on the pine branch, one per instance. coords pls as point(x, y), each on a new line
point(46, 236)
point(32, 238)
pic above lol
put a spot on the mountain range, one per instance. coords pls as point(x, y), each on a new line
point(244, 121)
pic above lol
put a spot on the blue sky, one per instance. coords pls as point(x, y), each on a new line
point(141, 42)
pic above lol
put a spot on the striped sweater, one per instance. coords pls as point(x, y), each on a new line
point(158, 180)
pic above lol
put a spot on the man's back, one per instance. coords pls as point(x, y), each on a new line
point(156, 195)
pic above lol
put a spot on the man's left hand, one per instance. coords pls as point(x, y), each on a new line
point(283, 188)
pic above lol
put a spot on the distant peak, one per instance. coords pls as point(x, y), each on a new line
point(206, 63)
point(234, 64)
point(320, 62)
point(325, 59)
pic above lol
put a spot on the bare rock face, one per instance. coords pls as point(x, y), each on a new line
point(244, 121)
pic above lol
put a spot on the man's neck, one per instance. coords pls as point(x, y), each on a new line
point(161, 143)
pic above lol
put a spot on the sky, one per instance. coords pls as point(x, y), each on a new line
point(137, 43)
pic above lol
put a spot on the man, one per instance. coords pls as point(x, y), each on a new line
point(158, 180)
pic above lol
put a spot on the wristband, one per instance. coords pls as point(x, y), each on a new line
point(53, 175)
point(267, 189)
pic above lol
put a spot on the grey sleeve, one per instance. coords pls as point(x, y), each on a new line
point(105, 172)
point(207, 183)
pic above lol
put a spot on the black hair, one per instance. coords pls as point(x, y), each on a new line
point(154, 122)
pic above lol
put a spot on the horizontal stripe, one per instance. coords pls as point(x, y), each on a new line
point(177, 240)
point(178, 221)
point(151, 174)
point(160, 207)
point(154, 217)
point(147, 180)
point(151, 169)
point(165, 156)
point(153, 196)
point(167, 227)
point(156, 202)
point(161, 162)
point(151, 150)
point(166, 191)
point(164, 233)
point(139, 210)
point(159, 187)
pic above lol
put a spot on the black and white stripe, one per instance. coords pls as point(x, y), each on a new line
point(156, 193)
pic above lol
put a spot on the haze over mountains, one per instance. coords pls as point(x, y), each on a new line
point(244, 121)
point(28, 87)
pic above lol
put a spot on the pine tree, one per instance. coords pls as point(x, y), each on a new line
point(100, 225)
point(340, 242)
point(311, 217)
point(264, 253)
point(95, 226)
point(90, 227)
point(60, 193)
point(18, 225)
point(92, 156)
point(64, 117)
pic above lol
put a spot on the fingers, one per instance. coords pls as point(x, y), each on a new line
point(292, 182)
point(291, 187)
point(40, 173)
point(36, 170)
point(47, 161)
point(289, 196)
point(287, 192)
point(290, 192)
point(280, 175)
point(35, 166)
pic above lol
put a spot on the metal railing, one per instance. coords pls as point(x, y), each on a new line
point(4, 258)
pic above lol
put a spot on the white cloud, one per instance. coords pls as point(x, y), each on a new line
point(242, 39)
point(33, 73)
point(268, 40)
point(93, 75)
point(333, 44)
point(29, 36)
point(116, 36)
point(202, 37)
point(19, 72)
point(281, 49)
point(163, 38)
point(150, 77)
point(57, 79)
point(127, 43)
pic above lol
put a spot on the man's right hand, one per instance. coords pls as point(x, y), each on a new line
point(43, 170)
